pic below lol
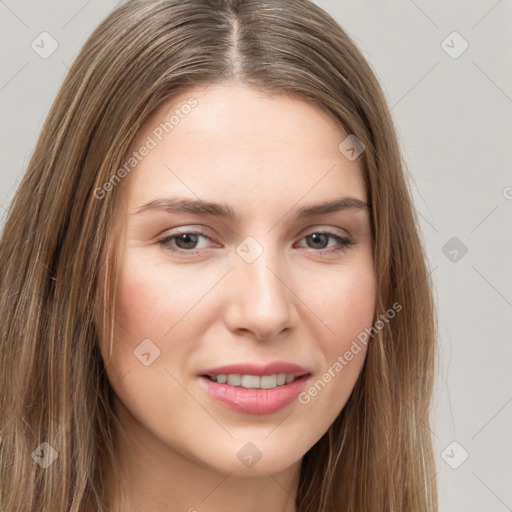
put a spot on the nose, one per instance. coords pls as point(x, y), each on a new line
point(261, 298)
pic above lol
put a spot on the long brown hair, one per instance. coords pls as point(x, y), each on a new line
point(58, 255)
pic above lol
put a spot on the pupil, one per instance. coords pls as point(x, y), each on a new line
point(187, 236)
point(316, 237)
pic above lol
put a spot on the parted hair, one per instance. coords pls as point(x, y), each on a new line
point(58, 255)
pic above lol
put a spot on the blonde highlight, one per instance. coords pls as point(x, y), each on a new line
point(58, 255)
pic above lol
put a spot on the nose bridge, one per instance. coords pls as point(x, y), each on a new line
point(264, 303)
point(258, 265)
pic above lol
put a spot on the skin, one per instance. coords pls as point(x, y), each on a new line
point(266, 156)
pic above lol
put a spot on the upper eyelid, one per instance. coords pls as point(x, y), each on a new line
point(307, 231)
point(201, 233)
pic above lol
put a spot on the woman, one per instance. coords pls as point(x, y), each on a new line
point(173, 336)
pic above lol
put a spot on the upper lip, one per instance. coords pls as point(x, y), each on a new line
point(258, 369)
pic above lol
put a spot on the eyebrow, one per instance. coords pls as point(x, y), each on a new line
point(201, 207)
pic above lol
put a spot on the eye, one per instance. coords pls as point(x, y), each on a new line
point(186, 242)
point(322, 238)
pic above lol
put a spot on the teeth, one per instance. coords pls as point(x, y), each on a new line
point(251, 381)
point(254, 381)
point(268, 381)
point(234, 380)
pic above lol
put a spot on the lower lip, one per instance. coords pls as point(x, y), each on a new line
point(255, 401)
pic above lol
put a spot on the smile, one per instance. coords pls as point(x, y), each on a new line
point(254, 381)
point(249, 396)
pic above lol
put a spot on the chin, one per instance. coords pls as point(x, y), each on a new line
point(255, 458)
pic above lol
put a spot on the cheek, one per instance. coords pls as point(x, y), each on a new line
point(354, 305)
point(149, 338)
point(151, 300)
point(159, 303)
point(346, 304)
point(147, 307)
point(138, 301)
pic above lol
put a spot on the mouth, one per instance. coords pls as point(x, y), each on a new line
point(254, 381)
point(253, 389)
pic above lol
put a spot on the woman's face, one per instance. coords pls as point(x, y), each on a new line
point(249, 282)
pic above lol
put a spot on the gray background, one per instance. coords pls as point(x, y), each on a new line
point(453, 113)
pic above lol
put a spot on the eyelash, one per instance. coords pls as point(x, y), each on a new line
point(344, 242)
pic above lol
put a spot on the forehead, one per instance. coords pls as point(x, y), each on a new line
point(223, 141)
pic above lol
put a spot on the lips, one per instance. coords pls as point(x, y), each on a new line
point(255, 389)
